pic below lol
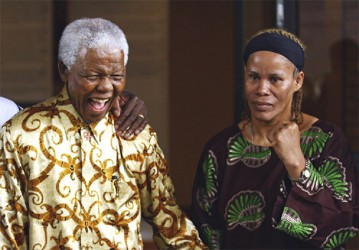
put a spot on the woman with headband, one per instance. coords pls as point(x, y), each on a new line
point(280, 178)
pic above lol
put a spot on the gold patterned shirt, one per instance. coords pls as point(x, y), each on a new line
point(65, 184)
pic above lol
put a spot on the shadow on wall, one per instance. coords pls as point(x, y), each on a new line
point(334, 97)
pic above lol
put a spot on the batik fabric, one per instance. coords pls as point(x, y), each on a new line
point(65, 184)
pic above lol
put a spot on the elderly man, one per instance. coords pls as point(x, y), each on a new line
point(66, 180)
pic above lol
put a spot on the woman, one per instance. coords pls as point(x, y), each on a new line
point(279, 178)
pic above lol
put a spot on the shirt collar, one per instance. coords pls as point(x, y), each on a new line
point(75, 122)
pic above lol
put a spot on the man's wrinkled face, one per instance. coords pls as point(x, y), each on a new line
point(97, 77)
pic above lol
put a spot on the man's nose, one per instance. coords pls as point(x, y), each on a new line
point(105, 83)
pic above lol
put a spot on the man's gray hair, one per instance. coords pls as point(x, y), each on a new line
point(88, 33)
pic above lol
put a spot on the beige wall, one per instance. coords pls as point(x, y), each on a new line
point(25, 50)
point(201, 83)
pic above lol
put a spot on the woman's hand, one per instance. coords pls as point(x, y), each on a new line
point(285, 139)
point(131, 113)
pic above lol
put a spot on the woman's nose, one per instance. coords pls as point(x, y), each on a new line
point(263, 87)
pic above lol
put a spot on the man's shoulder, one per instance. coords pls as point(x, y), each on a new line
point(31, 117)
point(143, 140)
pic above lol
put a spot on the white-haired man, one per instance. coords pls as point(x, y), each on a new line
point(66, 180)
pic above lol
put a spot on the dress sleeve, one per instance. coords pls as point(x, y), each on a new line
point(172, 228)
point(13, 209)
point(323, 210)
point(204, 200)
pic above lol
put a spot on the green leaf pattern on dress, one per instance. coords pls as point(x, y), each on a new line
point(251, 155)
point(210, 175)
point(314, 183)
point(245, 209)
point(339, 237)
point(206, 195)
point(313, 141)
point(330, 174)
point(212, 238)
point(292, 224)
point(333, 174)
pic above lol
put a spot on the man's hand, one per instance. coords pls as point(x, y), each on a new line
point(131, 113)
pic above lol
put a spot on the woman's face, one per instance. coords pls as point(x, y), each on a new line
point(97, 77)
point(269, 86)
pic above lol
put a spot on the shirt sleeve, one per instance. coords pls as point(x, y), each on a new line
point(323, 210)
point(204, 200)
point(172, 228)
point(13, 209)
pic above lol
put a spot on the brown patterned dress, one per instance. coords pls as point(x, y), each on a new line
point(243, 198)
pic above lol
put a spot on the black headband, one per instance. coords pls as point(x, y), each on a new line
point(276, 43)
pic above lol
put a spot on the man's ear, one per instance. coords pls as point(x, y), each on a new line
point(63, 71)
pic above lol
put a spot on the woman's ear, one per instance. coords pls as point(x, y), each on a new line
point(299, 80)
point(63, 71)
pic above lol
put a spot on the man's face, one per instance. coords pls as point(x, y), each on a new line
point(97, 77)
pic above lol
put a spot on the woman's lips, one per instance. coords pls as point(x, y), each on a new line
point(262, 106)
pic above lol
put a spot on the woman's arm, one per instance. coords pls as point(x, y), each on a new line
point(131, 113)
point(322, 209)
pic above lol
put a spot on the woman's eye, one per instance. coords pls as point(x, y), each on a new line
point(253, 77)
point(275, 79)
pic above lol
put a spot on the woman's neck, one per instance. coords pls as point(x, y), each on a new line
point(257, 132)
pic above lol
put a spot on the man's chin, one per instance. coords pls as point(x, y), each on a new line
point(94, 118)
